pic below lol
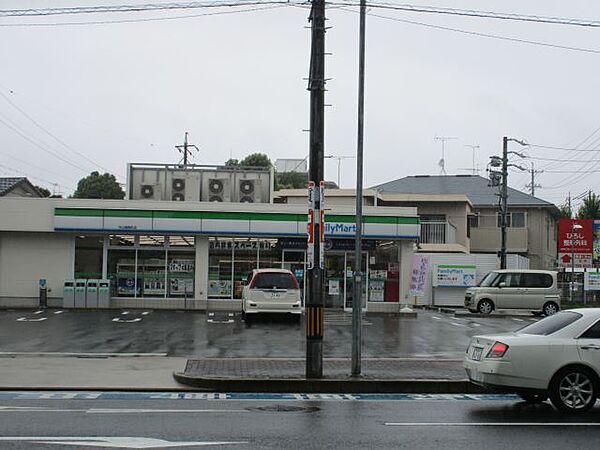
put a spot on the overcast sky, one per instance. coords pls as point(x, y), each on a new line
point(119, 93)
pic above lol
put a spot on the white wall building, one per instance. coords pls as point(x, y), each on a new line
point(193, 255)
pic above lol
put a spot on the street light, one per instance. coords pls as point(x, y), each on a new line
point(574, 226)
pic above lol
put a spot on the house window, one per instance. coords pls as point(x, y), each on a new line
point(473, 221)
point(513, 220)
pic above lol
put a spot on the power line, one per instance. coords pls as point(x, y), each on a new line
point(34, 12)
point(60, 141)
point(13, 170)
point(144, 19)
point(480, 34)
point(41, 147)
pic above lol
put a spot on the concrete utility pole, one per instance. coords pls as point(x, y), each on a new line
point(532, 185)
point(504, 195)
point(185, 149)
point(358, 272)
point(316, 232)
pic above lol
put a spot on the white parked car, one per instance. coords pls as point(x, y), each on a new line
point(271, 291)
point(559, 357)
point(532, 290)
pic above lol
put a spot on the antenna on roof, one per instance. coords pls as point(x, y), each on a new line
point(442, 161)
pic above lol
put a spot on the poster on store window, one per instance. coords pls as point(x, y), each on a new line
point(334, 287)
point(418, 275)
point(596, 243)
point(181, 277)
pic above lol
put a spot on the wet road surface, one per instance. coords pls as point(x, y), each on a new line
point(199, 334)
point(269, 421)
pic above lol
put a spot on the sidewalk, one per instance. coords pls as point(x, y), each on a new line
point(379, 375)
point(140, 373)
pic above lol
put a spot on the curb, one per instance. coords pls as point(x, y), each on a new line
point(331, 386)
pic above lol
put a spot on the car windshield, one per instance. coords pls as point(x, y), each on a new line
point(551, 324)
point(488, 279)
point(274, 281)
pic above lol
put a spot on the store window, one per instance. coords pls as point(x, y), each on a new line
point(231, 261)
point(151, 267)
point(384, 273)
point(88, 256)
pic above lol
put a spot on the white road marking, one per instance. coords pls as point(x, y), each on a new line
point(29, 409)
point(436, 318)
point(25, 319)
point(58, 312)
point(39, 311)
point(517, 320)
point(220, 321)
point(135, 319)
point(476, 324)
point(457, 324)
point(98, 355)
point(125, 313)
point(230, 314)
point(115, 441)
point(211, 314)
point(492, 424)
point(145, 313)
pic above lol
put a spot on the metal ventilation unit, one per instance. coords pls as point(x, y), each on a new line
point(217, 189)
point(247, 191)
point(147, 191)
point(178, 197)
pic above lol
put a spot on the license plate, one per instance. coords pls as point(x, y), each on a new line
point(275, 295)
point(477, 352)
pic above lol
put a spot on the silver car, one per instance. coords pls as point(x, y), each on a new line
point(533, 290)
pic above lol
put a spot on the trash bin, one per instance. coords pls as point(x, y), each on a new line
point(69, 294)
point(91, 294)
point(80, 293)
point(104, 294)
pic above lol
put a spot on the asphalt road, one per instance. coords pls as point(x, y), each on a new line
point(268, 421)
point(198, 334)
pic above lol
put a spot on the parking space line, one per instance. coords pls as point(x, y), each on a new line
point(58, 312)
point(436, 318)
point(517, 320)
point(457, 324)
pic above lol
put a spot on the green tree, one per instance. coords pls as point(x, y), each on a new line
point(256, 160)
point(291, 180)
point(42, 190)
point(232, 162)
point(565, 211)
point(590, 208)
point(99, 186)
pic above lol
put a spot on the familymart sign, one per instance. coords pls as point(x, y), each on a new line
point(225, 223)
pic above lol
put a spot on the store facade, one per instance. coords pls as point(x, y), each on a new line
point(194, 255)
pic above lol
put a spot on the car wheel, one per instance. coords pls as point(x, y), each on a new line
point(574, 390)
point(550, 308)
point(485, 306)
point(533, 398)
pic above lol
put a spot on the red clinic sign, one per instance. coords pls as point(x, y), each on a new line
point(575, 236)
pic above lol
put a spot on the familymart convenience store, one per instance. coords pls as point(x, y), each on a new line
point(193, 255)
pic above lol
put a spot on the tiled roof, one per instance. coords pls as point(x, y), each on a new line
point(475, 187)
point(8, 183)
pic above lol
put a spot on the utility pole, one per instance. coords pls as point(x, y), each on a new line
point(532, 185)
point(473, 148)
point(504, 201)
point(358, 273)
point(316, 232)
point(504, 194)
point(442, 162)
point(185, 149)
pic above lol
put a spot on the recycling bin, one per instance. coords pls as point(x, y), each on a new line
point(91, 294)
point(80, 288)
point(104, 294)
point(69, 294)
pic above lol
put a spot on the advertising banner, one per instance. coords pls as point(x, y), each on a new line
point(591, 281)
point(572, 239)
point(418, 275)
point(451, 275)
point(596, 242)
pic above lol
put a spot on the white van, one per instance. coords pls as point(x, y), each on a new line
point(533, 290)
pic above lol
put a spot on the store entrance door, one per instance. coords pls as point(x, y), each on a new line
point(350, 267)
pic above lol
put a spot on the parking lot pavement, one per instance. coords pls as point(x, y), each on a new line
point(222, 334)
